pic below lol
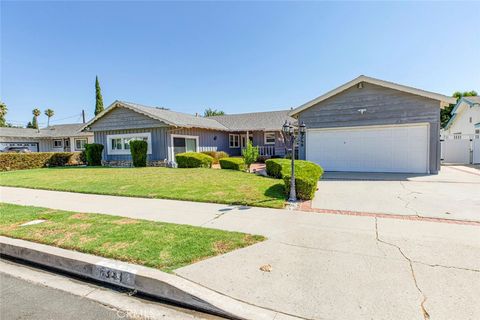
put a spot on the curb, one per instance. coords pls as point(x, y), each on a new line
point(143, 279)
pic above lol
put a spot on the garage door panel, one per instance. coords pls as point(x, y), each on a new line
point(370, 149)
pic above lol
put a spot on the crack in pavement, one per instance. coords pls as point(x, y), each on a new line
point(426, 315)
point(442, 266)
point(407, 202)
point(217, 216)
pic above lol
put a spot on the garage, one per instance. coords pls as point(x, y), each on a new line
point(397, 148)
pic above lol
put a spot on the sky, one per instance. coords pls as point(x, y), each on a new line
point(234, 56)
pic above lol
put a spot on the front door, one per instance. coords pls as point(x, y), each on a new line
point(243, 140)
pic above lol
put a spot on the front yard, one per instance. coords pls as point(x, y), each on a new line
point(203, 185)
point(159, 245)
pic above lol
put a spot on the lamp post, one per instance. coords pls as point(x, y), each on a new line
point(292, 137)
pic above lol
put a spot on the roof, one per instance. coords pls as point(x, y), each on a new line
point(471, 100)
point(60, 131)
point(467, 101)
point(272, 120)
point(237, 122)
point(435, 96)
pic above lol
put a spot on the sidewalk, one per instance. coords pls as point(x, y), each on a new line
point(322, 265)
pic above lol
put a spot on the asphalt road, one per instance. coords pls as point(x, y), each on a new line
point(24, 300)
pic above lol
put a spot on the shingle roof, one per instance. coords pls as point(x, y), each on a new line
point(475, 99)
point(272, 120)
point(60, 130)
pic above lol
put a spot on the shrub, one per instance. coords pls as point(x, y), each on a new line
point(19, 161)
point(233, 164)
point(250, 154)
point(277, 168)
point(194, 160)
point(262, 159)
point(93, 152)
point(305, 186)
point(138, 150)
point(216, 155)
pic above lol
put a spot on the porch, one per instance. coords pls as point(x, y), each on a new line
point(269, 143)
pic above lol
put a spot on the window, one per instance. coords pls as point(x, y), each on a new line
point(269, 137)
point(470, 119)
point(67, 143)
point(184, 144)
point(57, 143)
point(234, 140)
point(80, 144)
point(120, 143)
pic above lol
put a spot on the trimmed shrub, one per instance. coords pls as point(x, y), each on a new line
point(138, 150)
point(93, 152)
point(277, 168)
point(33, 160)
point(250, 154)
point(216, 155)
point(305, 187)
point(193, 160)
point(233, 164)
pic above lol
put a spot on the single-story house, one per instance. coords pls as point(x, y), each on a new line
point(371, 125)
point(57, 138)
point(465, 118)
point(168, 132)
point(367, 125)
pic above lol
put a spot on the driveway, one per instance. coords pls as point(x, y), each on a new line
point(452, 194)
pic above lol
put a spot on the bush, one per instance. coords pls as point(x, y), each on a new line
point(138, 150)
point(277, 168)
point(93, 152)
point(233, 164)
point(262, 159)
point(194, 160)
point(305, 187)
point(250, 154)
point(216, 155)
point(20, 161)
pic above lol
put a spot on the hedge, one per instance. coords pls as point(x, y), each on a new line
point(305, 187)
point(34, 160)
point(216, 155)
point(277, 168)
point(138, 150)
point(193, 160)
point(233, 164)
point(93, 153)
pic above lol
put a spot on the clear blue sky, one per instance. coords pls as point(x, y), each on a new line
point(238, 57)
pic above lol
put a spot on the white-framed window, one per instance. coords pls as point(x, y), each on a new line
point(182, 143)
point(80, 144)
point(57, 143)
point(234, 140)
point(269, 137)
point(120, 143)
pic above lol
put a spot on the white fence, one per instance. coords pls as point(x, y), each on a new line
point(463, 149)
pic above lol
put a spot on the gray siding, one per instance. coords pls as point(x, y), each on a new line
point(384, 107)
point(208, 140)
point(159, 143)
point(122, 119)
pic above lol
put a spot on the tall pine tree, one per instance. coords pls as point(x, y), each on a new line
point(98, 97)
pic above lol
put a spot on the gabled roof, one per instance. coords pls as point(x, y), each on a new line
point(55, 131)
point(266, 121)
point(237, 122)
point(176, 119)
point(467, 101)
point(435, 96)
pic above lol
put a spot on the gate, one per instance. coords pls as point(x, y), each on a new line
point(476, 149)
point(462, 149)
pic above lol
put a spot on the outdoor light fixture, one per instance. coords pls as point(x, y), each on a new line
point(292, 139)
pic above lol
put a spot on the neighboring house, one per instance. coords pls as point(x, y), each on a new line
point(465, 118)
point(57, 138)
point(371, 125)
point(168, 132)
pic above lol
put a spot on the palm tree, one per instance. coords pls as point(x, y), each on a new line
point(49, 113)
point(36, 113)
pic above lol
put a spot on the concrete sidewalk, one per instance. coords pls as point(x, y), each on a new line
point(322, 266)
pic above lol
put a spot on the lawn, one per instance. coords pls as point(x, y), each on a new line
point(164, 246)
point(204, 185)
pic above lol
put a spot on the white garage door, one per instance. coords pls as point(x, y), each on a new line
point(370, 149)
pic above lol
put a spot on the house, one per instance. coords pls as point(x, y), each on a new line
point(366, 125)
point(371, 125)
point(168, 132)
point(57, 138)
point(465, 118)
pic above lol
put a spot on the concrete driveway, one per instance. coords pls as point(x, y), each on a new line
point(452, 194)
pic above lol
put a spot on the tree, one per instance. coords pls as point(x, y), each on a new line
point(212, 112)
point(36, 113)
point(445, 113)
point(250, 154)
point(98, 97)
point(49, 113)
point(3, 113)
point(29, 125)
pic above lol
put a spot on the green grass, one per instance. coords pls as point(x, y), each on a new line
point(204, 185)
point(164, 246)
